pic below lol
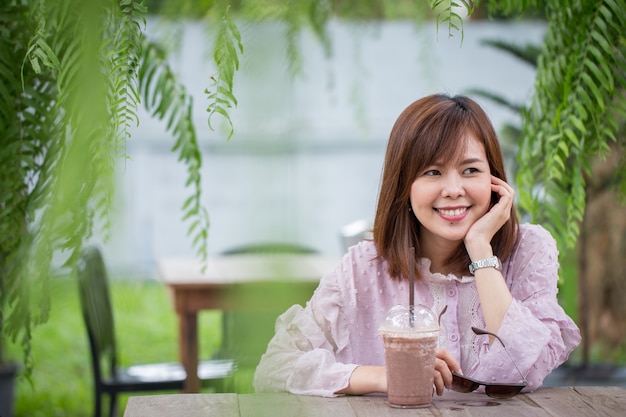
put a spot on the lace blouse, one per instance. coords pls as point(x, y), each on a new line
point(316, 348)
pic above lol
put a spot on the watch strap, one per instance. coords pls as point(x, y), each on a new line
point(492, 262)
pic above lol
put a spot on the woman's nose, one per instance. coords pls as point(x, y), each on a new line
point(452, 186)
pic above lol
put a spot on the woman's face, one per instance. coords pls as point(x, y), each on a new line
point(448, 197)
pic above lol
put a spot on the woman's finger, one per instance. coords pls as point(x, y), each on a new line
point(438, 383)
point(443, 372)
point(447, 364)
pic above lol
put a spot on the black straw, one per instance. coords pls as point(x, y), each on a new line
point(412, 288)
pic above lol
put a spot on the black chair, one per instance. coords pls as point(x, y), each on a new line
point(111, 379)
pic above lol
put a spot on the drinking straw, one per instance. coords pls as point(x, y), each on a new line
point(411, 287)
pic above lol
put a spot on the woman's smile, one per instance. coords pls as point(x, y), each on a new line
point(452, 214)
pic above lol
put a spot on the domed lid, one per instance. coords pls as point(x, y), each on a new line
point(399, 318)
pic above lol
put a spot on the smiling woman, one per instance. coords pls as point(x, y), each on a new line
point(442, 152)
point(444, 200)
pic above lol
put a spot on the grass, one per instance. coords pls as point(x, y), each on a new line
point(146, 330)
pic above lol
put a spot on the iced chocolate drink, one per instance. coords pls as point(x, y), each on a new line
point(409, 356)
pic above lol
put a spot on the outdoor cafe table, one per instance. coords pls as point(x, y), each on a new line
point(576, 401)
point(221, 285)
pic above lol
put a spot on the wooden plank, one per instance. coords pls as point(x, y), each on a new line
point(289, 405)
point(377, 406)
point(266, 404)
point(188, 405)
point(451, 404)
point(545, 402)
point(475, 404)
point(315, 407)
point(582, 401)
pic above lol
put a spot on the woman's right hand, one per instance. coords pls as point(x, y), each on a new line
point(444, 365)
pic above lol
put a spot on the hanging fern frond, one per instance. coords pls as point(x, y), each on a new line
point(71, 97)
point(574, 112)
point(448, 12)
point(166, 99)
point(27, 118)
point(121, 52)
point(124, 56)
point(226, 52)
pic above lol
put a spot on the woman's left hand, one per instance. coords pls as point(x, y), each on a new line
point(444, 364)
point(486, 227)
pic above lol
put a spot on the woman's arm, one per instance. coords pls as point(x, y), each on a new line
point(495, 297)
point(370, 379)
point(366, 380)
point(537, 332)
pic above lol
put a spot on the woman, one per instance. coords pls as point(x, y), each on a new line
point(444, 199)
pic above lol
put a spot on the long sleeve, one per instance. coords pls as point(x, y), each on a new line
point(537, 332)
point(302, 356)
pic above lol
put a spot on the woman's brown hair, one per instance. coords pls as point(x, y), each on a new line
point(431, 129)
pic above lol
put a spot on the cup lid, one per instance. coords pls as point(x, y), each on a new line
point(398, 318)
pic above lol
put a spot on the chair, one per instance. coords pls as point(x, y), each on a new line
point(111, 379)
point(270, 248)
point(353, 233)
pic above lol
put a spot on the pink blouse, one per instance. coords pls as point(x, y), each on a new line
point(316, 348)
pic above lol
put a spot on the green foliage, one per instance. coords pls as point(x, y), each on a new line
point(60, 78)
point(306, 11)
point(167, 99)
point(226, 53)
point(72, 75)
point(513, 7)
point(575, 113)
point(447, 13)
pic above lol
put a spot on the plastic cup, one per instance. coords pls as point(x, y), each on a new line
point(409, 355)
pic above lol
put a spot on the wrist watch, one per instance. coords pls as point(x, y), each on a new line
point(492, 262)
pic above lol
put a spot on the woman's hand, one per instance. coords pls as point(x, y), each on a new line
point(444, 365)
point(482, 231)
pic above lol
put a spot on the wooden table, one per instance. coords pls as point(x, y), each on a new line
point(224, 284)
point(548, 402)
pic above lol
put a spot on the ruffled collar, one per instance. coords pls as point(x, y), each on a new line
point(437, 277)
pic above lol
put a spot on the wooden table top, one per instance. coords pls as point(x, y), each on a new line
point(549, 402)
point(234, 269)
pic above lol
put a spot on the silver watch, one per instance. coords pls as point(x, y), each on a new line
point(492, 262)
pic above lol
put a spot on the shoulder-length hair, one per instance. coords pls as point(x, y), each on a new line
point(432, 129)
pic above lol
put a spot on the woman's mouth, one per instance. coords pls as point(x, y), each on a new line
point(453, 213)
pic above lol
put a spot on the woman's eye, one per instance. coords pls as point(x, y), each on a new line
point(432, 172)
point(470, 170)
